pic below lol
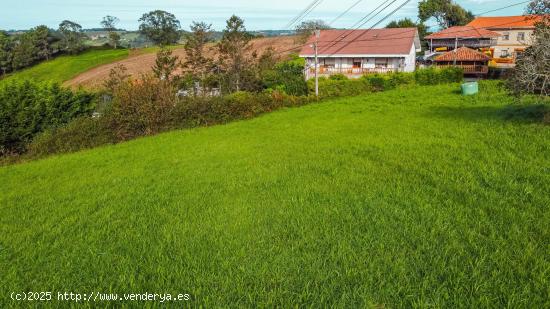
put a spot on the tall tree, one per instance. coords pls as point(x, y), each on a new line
point(160, 27)
point(197, 64)
point(5, 52)
point(306, 28)
point(72, 36)
point(165, 64)
point(446, 13)
point(23, 51)
point(234, 48)
point(42, 40)
point(109, 23)
point(532, 72)
point(408, 23)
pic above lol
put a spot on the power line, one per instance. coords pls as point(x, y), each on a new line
point(502, 8)
point(312, 6)
point(405, 31)
point(365, 19)
point(345, 12)
point(380, 21)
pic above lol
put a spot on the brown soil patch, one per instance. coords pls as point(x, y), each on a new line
point(142, 63)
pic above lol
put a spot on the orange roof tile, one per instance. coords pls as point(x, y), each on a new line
point(462, 54)
point(388, 41)
point(463, 32)
point(505, 22)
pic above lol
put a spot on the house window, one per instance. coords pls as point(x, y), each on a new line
point(506, 36)
point(327, 63)
point(356, 63)
point(521, 36)
point(381, 62)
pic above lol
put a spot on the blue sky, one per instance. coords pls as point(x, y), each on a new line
point(258, 15)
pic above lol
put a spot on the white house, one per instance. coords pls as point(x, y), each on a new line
point(358, 52)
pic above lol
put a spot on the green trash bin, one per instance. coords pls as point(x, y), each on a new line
point(469, 88)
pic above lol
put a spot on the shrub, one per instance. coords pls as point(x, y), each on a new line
point(28, 108)
point(338, 77)
point(141, 107)
point(81, 133)
point(434, 76)
point(287, 76)
point(378, 82)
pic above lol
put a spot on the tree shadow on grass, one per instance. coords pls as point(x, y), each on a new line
point(536, 113)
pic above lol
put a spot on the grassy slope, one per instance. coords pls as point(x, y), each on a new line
point(64, 68)
point(418, 197)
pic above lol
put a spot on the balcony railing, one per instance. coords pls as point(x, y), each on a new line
point(450, 43)
point(469, 68)
point(352, 71)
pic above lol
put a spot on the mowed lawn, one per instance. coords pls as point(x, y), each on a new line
point(408, 198)
point(63, 68)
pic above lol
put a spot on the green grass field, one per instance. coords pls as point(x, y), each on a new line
point(64, 68)
point(408, 198)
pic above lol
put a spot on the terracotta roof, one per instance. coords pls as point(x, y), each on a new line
point(390, 41)
point(462, 54)
point(467, 32)
point(505, 22)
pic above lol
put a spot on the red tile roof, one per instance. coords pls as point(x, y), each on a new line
point(462, 54)
point(465, 32)
point(390, 41)
point(505, 22)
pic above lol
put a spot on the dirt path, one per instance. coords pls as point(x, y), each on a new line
point(142, 63)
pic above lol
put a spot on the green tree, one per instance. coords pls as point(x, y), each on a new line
point(109, 23)
point(305, 29)
point(408, 23)
point(446, 13)
point(165, 64)
point(23, 52)
point(42, 40)
point(5, 52)
point(532, 72)
point(197, 64)
point(72, 36)
point(234, 48)
point(160, 27)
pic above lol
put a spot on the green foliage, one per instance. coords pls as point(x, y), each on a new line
point(160, 27)
point(409, 23)
point(28, 108)
point(329, 88)
point(109, 23)
point(446, 12)
point(287, 76)
point(434, 76)
point(23, 50)
point(73, 38)
point(80, 133)
point(165, 64)
point(236, 65)
point(197, 65)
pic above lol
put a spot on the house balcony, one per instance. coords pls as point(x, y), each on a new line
point(351, 72)
point(471, 43)
point(469, 68)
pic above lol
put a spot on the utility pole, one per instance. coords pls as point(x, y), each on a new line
point(456, 46)
point(315, 46)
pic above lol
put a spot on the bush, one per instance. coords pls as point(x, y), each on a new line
point(81, 133)
point(28, 108)
point(141, 107)
point(287, 76)
point(434, 76)
point(338, 77)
